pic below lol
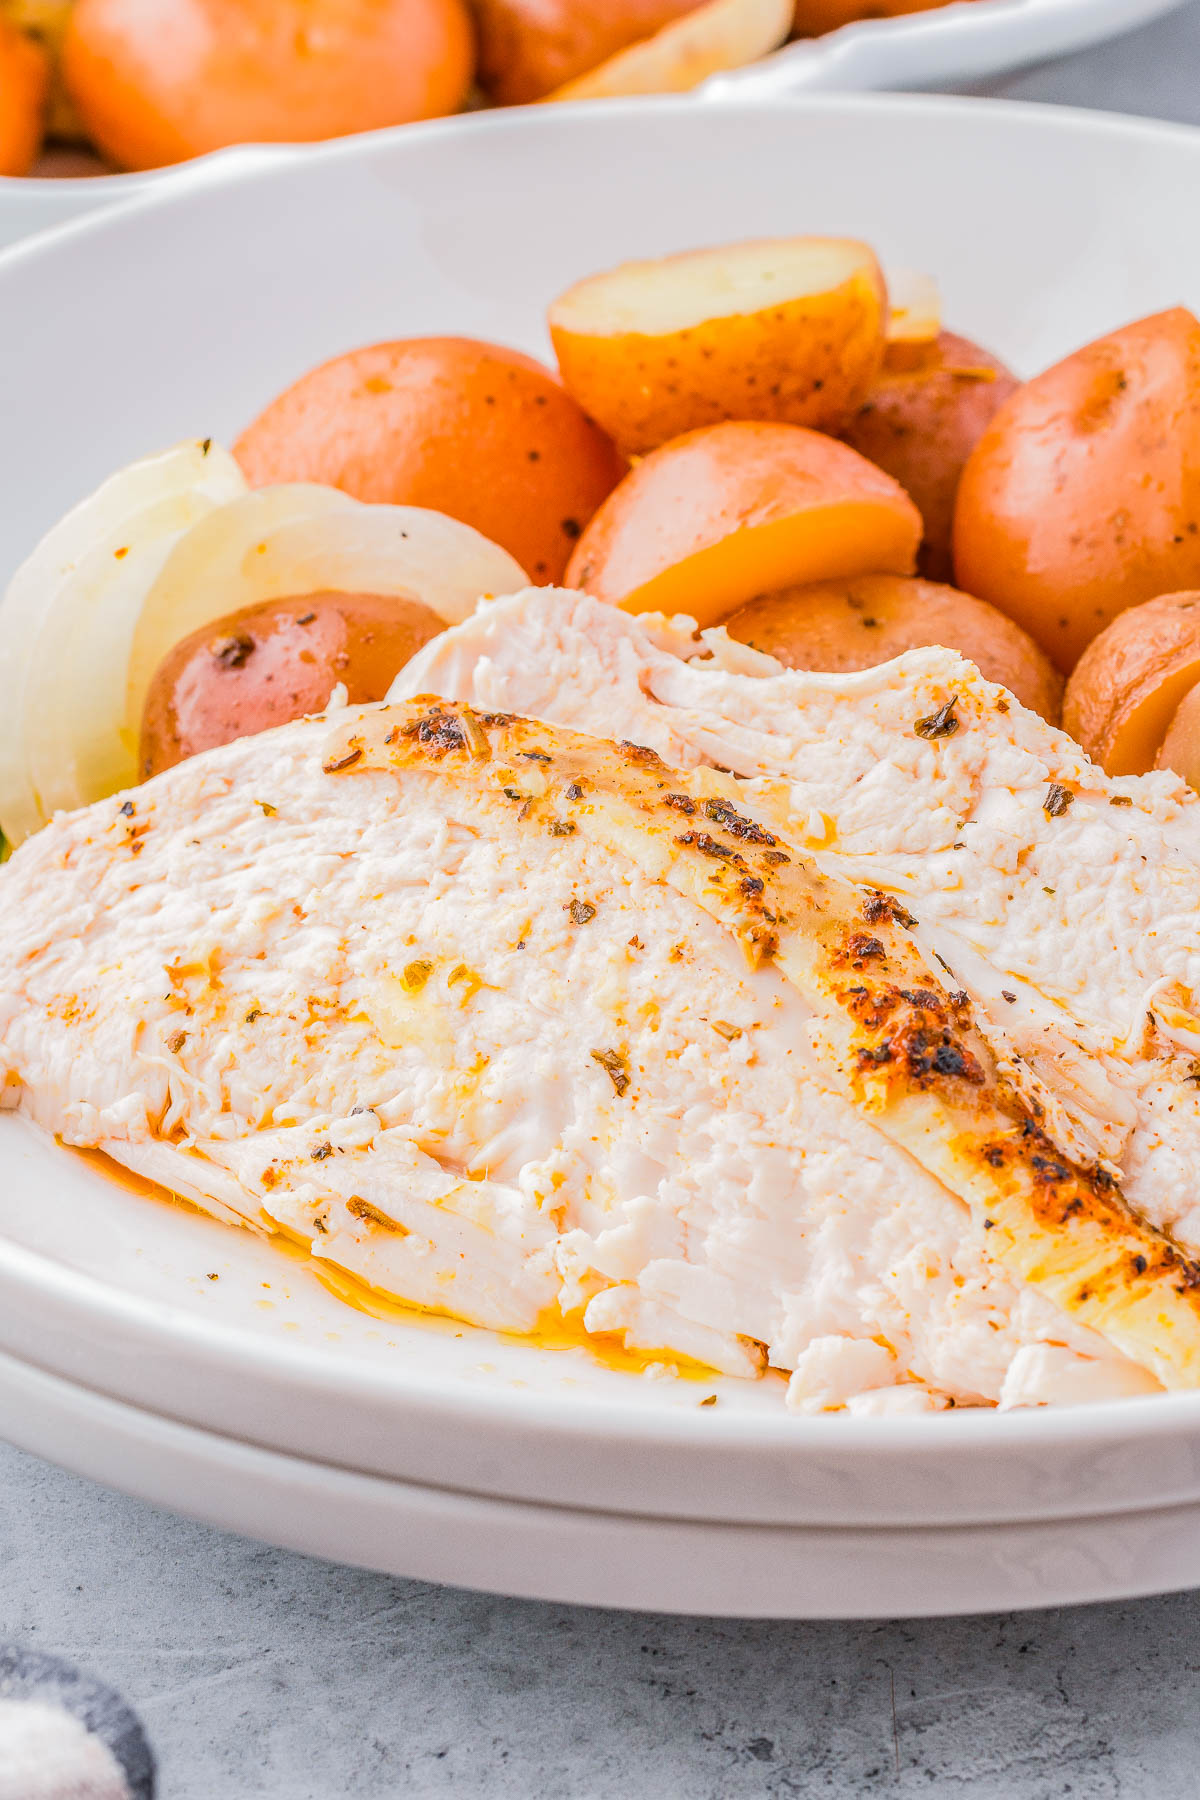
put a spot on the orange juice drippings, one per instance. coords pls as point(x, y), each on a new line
point(552, 1332)
point(125, 1178)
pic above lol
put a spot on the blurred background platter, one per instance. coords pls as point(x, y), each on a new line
point(953, 45)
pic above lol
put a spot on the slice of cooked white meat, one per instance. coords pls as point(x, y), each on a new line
point(471, 1009)
point(1066, 903)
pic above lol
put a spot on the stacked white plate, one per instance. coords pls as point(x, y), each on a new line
point(257, 1399)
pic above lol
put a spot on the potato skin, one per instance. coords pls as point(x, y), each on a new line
point(528, 47)
point(1124, 691)
point(46, 22)
point(24, 96)
point(274, 662)
point(471, 429)
point(808, 360)
point(157, 81)
point(721, 514)
point(922, 420)
point(839, 626)
point(1083, 495)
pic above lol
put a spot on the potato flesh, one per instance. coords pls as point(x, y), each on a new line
point(673, 293)
point(527, 48)
point(849, 537)
point(710, 520)
point(782, 330)
point(1123, 694)
point(1180, 748)
point(1134, 745)
point(914, 308)
point(724, 34)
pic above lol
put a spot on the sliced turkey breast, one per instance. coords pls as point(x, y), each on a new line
point(512, 1022)
point(1065, 903)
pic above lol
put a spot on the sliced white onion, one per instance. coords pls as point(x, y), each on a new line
point(161, 549)
point(299, 539)
point(66, 624)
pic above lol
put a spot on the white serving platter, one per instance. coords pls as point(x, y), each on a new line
point(966, 41)
point(108, 1290)
point(585, 1554)
point(180, 314)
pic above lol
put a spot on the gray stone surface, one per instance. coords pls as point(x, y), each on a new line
point(261, 1674)
point(1155, 72)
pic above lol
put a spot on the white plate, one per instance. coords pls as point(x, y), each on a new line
point(588, 1555)
point(105, 1288)
point(29, 204)
point(181, 314)
point(963, 42)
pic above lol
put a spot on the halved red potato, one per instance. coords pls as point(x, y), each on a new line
point(718, 516)
point(787, 329)
point(866, 620)
point(716, 36)
point(526, 48)
point(920, 422)
point(1082, 497)
point(1128, 685)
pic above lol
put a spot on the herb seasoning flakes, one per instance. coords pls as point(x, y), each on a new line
point(940, 724)
point(616, 1066)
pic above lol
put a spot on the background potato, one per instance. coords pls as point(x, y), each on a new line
point(859, 623)
point(921, 421)
point(271, 663)
point(710, 520)
point(154, 82)
point(528, 47)
point(1129, 682)
point(470, 429)
point(24, 95)
point(719, 35)
point(788, 329)
point(46, 22)
point(1083, 495)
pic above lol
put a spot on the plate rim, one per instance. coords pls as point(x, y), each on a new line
point(1140, 1418)
point(564, 1554)
point(243, 162)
